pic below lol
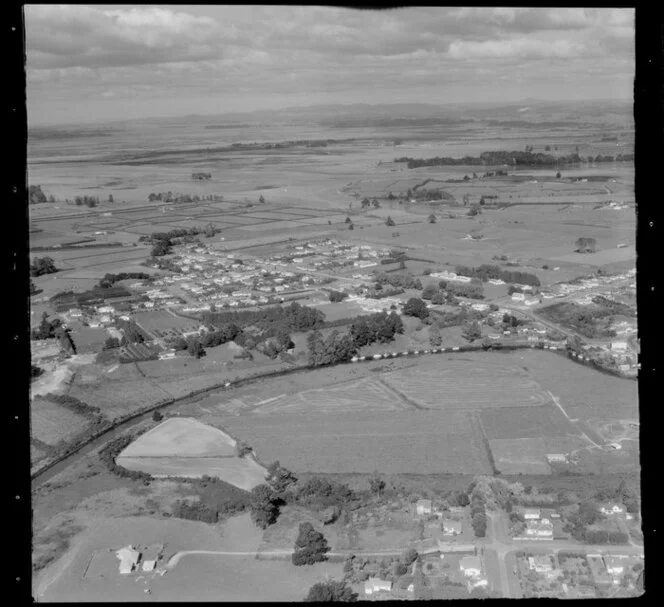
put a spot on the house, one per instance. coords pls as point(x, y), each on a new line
point(374, 585)
point(471, 566)
point(423, 507)
point(540, 563)
point(556, 458)
point(531, 513)
point(612, 508)
point(451, 527)
point(539, 530)
point(518, 297)
point(614, 565)
point(128, 559)
point(149, 565)
point(619, 345)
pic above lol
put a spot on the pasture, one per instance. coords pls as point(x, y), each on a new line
point(528, 455)
point(455, 382)
point(189, 448)
point(424, 442)
point(181, 437)
point(518, 422)
point(51, 423)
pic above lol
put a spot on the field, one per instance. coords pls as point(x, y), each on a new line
point(186, 447)
point(517, 422)
point(163, 321)
point(178, 437)
point(457, 382)
point(365, 394)
point(51, 423)
point(392, 442)
point(528, 455)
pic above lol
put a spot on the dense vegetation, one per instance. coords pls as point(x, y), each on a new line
point(201, 176)
point(216, 499)
point(112, 450)
point(310, 546)
point(590, 321)
point(110, 279)
point(88, 201)
point(585, 245)
point(517, 158)
point(375, 328)
point(403, 281)
point(293, 317)
point(170, 197)
point(490, 272)
point(42, 265)
point(329, 592)
point(35, 194)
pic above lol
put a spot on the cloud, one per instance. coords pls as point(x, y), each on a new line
point(515, 48)
point(70, 36)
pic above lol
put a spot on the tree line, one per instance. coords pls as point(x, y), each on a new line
point(170, 197)
point(110, 279)
point(491, 272)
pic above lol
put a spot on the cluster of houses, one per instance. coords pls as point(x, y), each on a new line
point(329, 254)
point(609, 569)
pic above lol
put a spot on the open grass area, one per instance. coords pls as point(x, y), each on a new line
point(52, 423)
point(392, 442)
point(528, 455)
point(519, 422)
point(451, 382)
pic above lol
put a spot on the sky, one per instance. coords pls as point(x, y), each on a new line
point(99, 63)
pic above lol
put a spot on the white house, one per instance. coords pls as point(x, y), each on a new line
point(374, 584)
point(610, 509)
point(620, 346)
point(451, 527)
point(531, 513)
point(471, 566)
point(539, 530)
point(423, 507)
point(540, 563)
point(614, 565)
point(518, 297)
point(128, 559)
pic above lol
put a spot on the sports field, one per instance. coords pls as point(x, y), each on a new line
point(519, 422)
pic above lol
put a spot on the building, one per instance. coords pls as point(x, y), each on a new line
point(540, 563)
point(556, 458)
point(374, 585)
point(614, 565)
point(518, 297)
point(451, 527)
point(612, 508)
point(471, 566)
point(539, 530)
point(128, 559)
point(423, 507)
point(619, 346)
point(531, 513)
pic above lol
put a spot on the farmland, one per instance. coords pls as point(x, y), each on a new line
point(51, 423)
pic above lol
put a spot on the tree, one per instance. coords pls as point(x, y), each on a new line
point(375, 204)
point(35, 194)
point(432, 218)
point(310, 546)
point(161, 248)
point(264, 506)
point(389, 222)
point(33, 289)
point(242, 449)
point(416, 307)
point(42, 265)
point(409, 556)
point(377, 484)
point(35, 371)
point(261, 199)
point(110, 198)
point(472, 331)
point(157, 417)
point(325, 592)
point(585, 245)
point(462, 499)
point(316, 347)
point(351, 226)
point(348, 220)
point(365, 203)
point(435, 339)
point(195, 348)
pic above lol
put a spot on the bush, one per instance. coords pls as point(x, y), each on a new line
point(325, 592)
point(157, 417)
